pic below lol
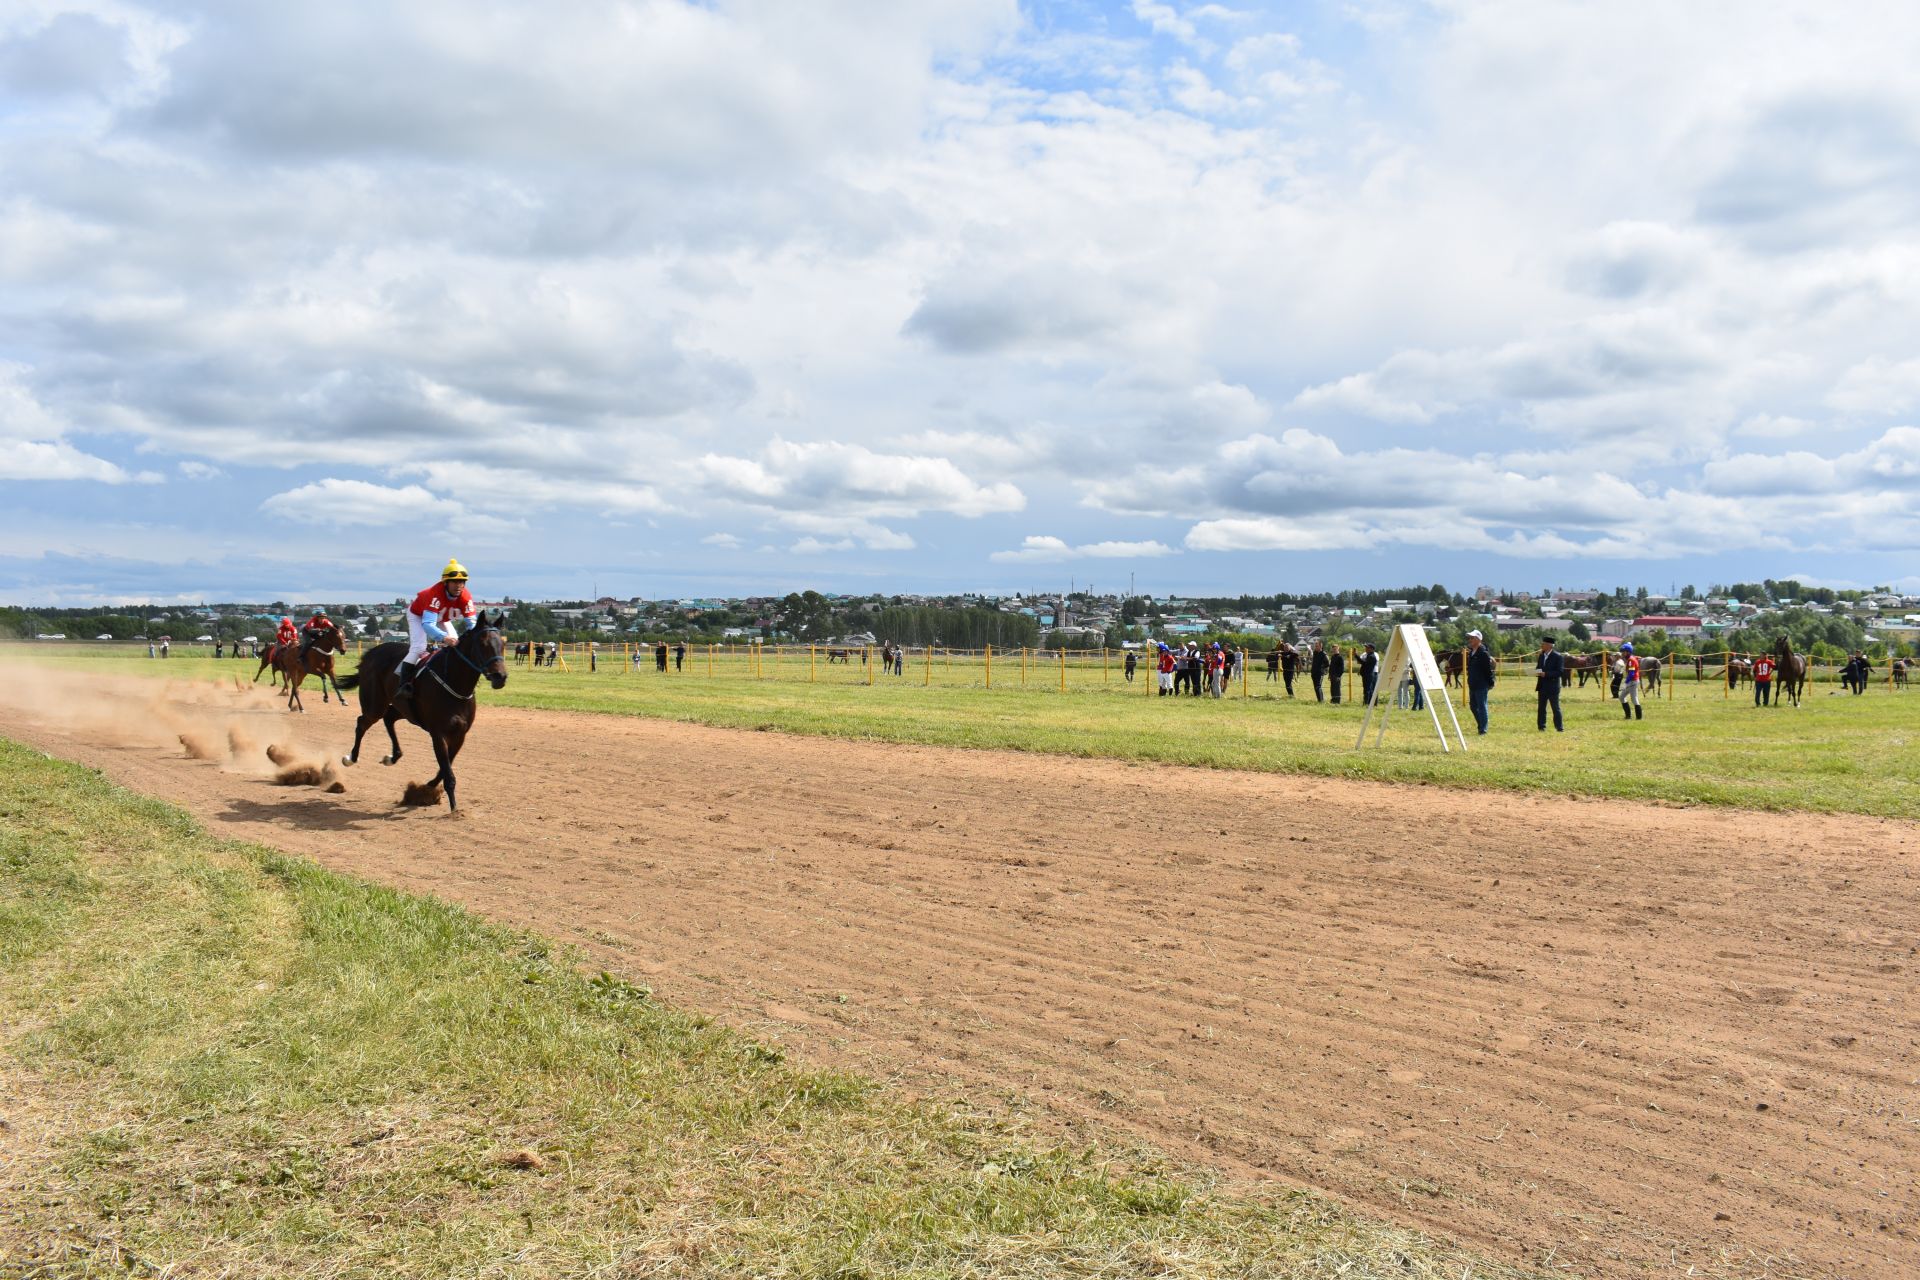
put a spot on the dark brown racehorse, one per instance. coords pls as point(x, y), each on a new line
point(313, 657)
point(442, 701)
point(1789, 672)
point(1587, 666)
point(1453, 665)
point(270, 661)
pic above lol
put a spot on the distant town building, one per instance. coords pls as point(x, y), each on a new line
point(1678, 626)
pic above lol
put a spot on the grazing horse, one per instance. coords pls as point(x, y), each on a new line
point(1899, 671)
point(442, 702)
point(312, 657)
point(1790, 672)
point(1738, 669)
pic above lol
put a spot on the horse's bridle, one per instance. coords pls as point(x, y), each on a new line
point(500, 662)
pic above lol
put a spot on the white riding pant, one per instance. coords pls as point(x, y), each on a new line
point(418, 642)
point(1630, 693)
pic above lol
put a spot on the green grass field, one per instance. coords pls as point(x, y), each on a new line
point(219, 1061)
point(1835, 753)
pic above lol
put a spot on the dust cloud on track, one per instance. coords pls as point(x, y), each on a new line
point(1609, 1038)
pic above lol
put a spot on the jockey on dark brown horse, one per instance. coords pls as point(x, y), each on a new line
point(430, 620)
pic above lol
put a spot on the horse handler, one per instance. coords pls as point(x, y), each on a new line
point(430, 620)
point(1630, 707)
point(1762, 680)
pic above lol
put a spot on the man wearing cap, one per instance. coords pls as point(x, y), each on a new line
point(1480, 678)
point(1549, 670)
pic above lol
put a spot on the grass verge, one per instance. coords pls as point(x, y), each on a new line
point(221, 1061)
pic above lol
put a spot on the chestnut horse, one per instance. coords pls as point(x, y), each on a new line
point(442, 701)
point(312, 657)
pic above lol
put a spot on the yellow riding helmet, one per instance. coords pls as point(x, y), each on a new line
point(454, 572)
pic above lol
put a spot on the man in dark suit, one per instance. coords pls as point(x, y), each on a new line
point(1369, 664)
point(1317, 668)
point(1548, 671)
point(1336, 673)
point(1480, 678)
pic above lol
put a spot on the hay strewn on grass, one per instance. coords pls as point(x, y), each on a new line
point(267, 1069)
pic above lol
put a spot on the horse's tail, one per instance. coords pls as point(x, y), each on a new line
point(348, 682)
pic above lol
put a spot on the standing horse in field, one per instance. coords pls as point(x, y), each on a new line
point(442, 702)
point(1789, 672)
point(1453, 665)
point(1587, 666)
point(1899, 671)
point(1650, 674)
point(1738, 669)
point(313, 657)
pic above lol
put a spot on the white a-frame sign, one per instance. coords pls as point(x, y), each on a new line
point(1408, 651)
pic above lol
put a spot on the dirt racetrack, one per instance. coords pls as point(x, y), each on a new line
point(1606, 1038)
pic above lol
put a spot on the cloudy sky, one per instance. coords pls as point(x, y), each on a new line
point(669, 298)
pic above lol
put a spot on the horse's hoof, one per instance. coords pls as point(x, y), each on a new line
point(386, 759)
point(347, 761)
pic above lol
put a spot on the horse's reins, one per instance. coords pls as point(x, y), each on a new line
point(478, 669)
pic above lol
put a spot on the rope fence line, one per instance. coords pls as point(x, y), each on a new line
point(1081, 669)
point(1067, 670)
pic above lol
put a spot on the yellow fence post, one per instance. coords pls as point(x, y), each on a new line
point(1023, 666)
point(709, 661)
point(1104, 670)
point(812, 663)
point(928, 682)
point(867, 658)
point(989, 666)
point(1243, 672)
point(1063, 671)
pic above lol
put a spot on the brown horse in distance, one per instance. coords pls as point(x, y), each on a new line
point(313, 656)
point(442, 702)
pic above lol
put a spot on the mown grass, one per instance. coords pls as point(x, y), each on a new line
point(1835, 753)
point(255, 1067)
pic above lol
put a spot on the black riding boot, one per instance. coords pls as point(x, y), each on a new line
point(406, 681)
point(1626, 711)
point(1639, 713)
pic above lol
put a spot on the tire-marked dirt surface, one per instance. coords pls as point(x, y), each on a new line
point(1604, 1037)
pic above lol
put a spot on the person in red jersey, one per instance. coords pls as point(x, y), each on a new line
point(431, 620)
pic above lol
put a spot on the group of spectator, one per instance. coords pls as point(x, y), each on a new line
point(1190, 668)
